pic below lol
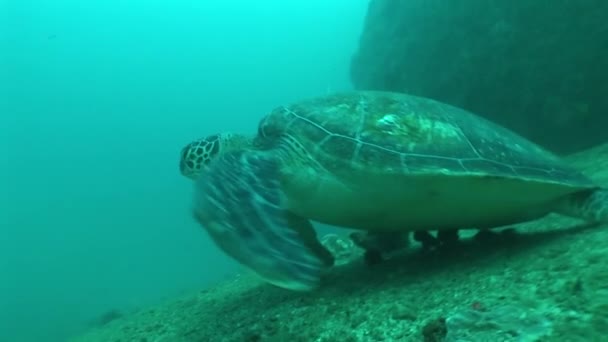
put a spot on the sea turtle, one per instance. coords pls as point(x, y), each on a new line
point(374, 161)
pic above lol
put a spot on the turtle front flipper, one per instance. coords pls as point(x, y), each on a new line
point(240, 203)
point(589, 205)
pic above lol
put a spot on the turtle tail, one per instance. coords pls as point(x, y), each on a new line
point(589, 205)
point(239, 202)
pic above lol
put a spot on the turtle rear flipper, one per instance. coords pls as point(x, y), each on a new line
point(241, 205)
point(590, 205)
point(309, 237)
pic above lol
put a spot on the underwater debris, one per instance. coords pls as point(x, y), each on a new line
point(507, 323)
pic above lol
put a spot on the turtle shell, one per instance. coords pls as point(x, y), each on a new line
point(384, 132)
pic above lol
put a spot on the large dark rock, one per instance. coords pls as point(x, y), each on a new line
point(539, 67)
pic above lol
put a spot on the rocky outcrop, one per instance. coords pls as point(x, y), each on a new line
point(539, 67)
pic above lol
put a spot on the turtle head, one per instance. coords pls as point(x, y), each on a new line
point(198, 154)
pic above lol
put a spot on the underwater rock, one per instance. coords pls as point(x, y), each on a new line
point(434, 331)
point(341, 247)
point(502, 323)
point(537, 67)
point(379, 247)
point(107, 317)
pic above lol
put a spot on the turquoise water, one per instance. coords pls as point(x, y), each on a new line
point(96, 100)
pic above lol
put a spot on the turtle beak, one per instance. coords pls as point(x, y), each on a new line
point(183, 167)
point(186, 170)
point(186, 166)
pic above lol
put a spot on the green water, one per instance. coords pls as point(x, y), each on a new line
point(96, 100)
